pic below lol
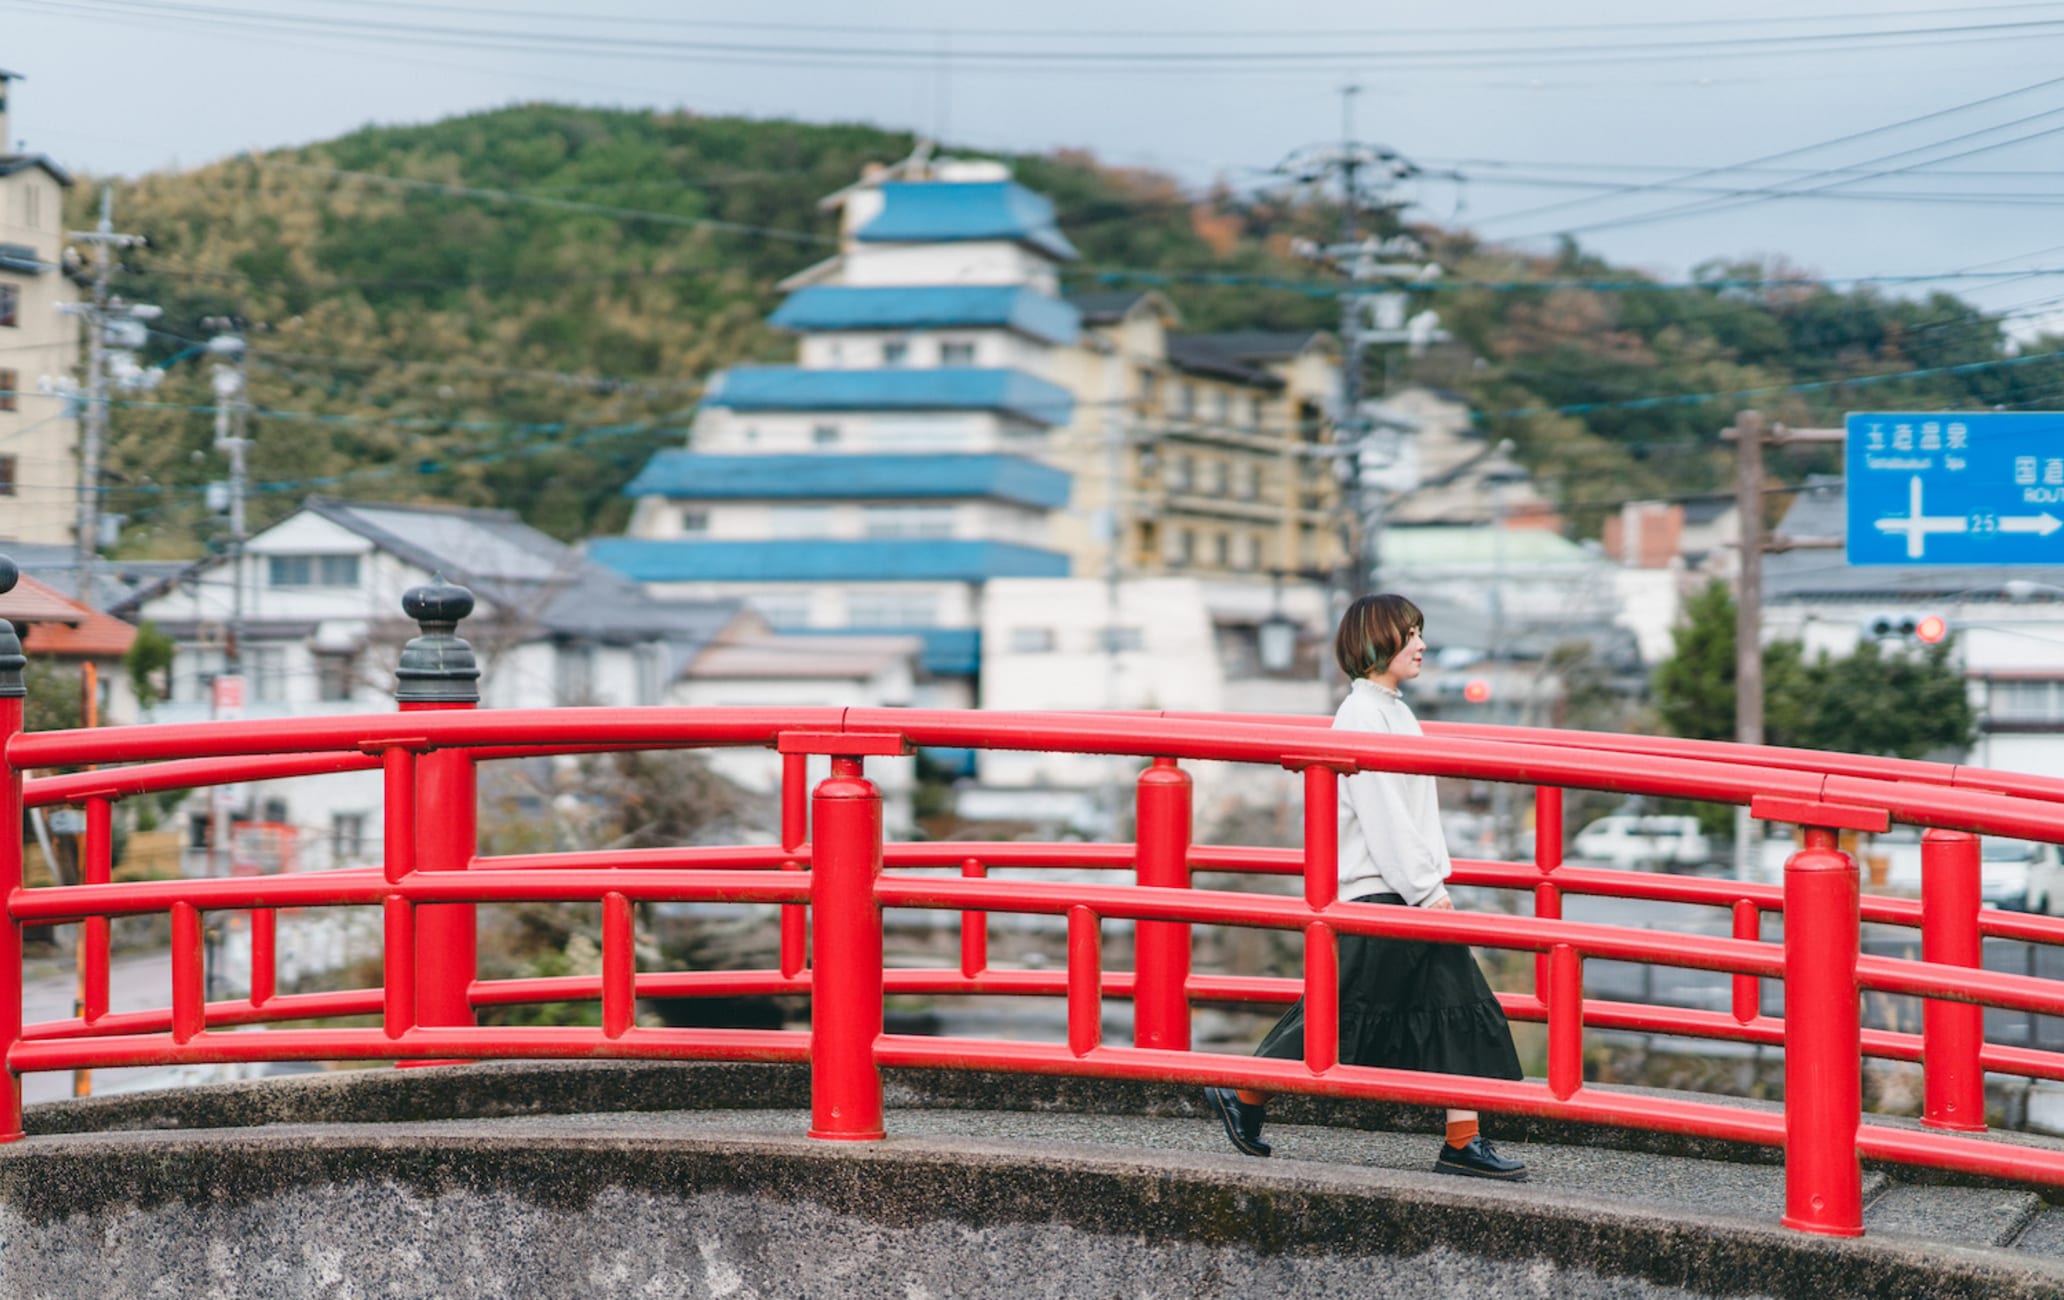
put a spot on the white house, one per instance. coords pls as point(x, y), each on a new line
point(319, 626)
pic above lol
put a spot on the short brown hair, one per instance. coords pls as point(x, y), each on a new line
point(1372, 631)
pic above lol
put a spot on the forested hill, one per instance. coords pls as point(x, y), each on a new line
point(517, 307)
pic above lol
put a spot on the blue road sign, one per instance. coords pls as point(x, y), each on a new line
point(1937, 487)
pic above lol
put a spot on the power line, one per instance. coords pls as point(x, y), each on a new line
point(1001, 58)
point(1703, 173)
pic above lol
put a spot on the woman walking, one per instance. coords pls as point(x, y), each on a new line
point(1404, 1004)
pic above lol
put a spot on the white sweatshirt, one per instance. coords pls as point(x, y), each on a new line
point(1390, 831)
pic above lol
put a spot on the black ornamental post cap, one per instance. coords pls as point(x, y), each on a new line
point(12, 661)
point(437, 667)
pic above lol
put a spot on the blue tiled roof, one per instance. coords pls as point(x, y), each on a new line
point(692, 476)
point(792, 388)
point(927, 212)
point(941, 306)
point(948, 651)
point(816, 559)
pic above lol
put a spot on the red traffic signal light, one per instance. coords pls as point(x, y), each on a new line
point(1477, 691)
point(1926, 629)
point(1931, 629)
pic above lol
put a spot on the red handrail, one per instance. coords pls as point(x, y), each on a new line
point(832, 861)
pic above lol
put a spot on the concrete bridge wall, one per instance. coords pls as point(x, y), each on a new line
point(367, 1185)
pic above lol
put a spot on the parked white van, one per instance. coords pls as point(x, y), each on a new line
point(1626, 840)
point(2040, 865)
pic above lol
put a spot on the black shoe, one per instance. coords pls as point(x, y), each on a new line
point(1477, 1160)
point(1242, 1121)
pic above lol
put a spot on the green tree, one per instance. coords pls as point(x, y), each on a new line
point(1891, 702)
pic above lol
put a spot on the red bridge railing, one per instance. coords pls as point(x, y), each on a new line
point(833, 867)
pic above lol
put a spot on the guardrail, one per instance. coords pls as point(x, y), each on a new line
point(833, 867)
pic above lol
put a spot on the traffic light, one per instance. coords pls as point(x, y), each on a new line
point(1920, 628)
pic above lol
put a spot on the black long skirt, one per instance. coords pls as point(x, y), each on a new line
point(1408, 1005)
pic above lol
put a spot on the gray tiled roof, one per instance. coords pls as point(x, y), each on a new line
point(1821, 510)
point(519, 568)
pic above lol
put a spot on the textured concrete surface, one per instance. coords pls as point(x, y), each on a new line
point(627, 1179)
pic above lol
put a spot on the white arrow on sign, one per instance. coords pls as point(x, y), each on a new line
point(1917, 525)
point(2041, 525)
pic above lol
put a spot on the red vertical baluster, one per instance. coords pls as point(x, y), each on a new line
point(1951, 1032)
point(619, 966)
point(1321, 837)
point(1321, 997)
point(1161, 949)
point(1565, 1021)
point(1321, 944)
point(398, 919)
point(1085, 982)
point(1823, 1040)
point(795, 829)
point(189, 975)
point(264, 955)
point(974, 927)
point(846, 968)
point(96, 868)
point(11, 696)
point(1748, 989)
point(1547, 857)
point(446, 933)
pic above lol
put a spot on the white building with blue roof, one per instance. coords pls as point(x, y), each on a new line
point(901, 464)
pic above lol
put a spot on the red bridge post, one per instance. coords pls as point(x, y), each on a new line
point(1823, 1040)
point(438, 671)
point(846, 957)
point(1951, 1032)
point(1161, 949)
point(13, 693)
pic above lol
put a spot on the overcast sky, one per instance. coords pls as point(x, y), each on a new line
point(1515, 94)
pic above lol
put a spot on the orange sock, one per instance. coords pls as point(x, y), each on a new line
point(1250, 1098)
point(1461, 1132)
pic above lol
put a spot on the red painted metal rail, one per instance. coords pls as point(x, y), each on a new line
point(831, 876)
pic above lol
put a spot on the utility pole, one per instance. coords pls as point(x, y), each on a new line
point(113, 329)
point(231, 410)
point(1750, 435)
point(1373, 306)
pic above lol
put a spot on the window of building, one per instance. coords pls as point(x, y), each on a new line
point(1254, 412)
point(32, 207)
point(10, 304)
point(1254, 549)
point(1182, 472)
point(1186, 400)
point(957, 354)
point(782, 608)
point(892, 609)
point(10, 387)
point(1031, 640)
point(575, 674)
point(908, 521)
point(347, 837)
point(312, 570)
point(2026, 702)
point(334, 676)
point(799, 521)
point(1149, 385)
point(694, 521)
point(1222, 548)
point(1218, 478)
point(895, 352)
point(824, 435)
point(1250, 481)
point(1185, 546)
point(1224, 406)
point(1122, 640)
point(7, 476)
point(265, 673)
